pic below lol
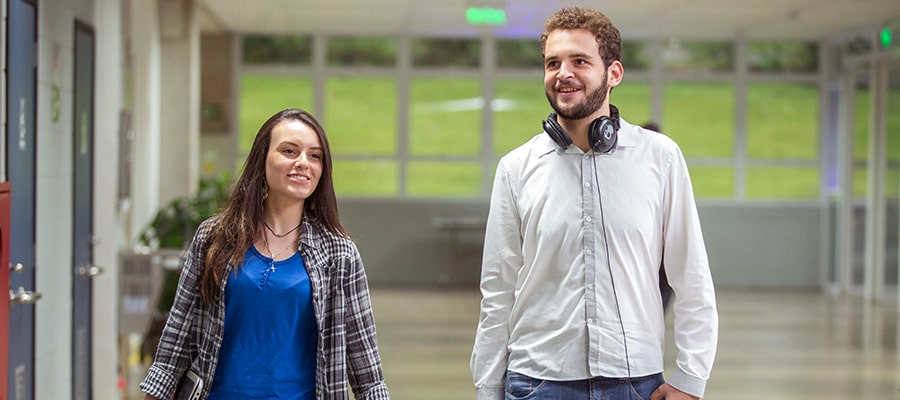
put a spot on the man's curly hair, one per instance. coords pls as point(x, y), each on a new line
point(606, 34)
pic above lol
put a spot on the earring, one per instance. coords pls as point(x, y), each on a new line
point(265, 191)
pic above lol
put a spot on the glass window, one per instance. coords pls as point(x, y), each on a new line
point(361, 121)
point(277, 49)
point(445, 116)
point(634, 57)
point(793, 183)
point(444, 179)
point(519, 108)
point(712, 182)
point(632, 98)
point(860, 182)
point(519, 53)
point(700, 117)
point(861, 124)
point(374, 178)
point(430, 52)
point(357, 50)
point(893, 136)
point(692, 55)
point(893, 117)
point(783, 56)
point(782, 121)
point(264, 95)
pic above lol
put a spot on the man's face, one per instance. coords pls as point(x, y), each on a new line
point(575, 78)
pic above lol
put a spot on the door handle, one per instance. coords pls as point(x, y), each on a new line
point(16, 268)
point(89, 271)
point(23, 296)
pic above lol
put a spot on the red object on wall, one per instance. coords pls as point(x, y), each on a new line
point(4, 288)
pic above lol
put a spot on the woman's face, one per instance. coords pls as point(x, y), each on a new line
point(293, 163)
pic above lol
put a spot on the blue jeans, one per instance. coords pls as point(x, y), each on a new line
point(522, 387)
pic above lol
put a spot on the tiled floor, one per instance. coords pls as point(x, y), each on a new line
point(774, 345)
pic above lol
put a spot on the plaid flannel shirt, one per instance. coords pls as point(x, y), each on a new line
point(346, 349)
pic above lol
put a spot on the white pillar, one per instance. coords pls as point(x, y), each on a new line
point(145, 83)
point(107, 105)
point(179, 93)
point(876, 202)
point(845, 226)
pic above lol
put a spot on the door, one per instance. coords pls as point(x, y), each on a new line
point(83, 269)
point(21, 86)
point(4, 284)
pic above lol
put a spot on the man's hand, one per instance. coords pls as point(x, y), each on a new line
point(669, 393)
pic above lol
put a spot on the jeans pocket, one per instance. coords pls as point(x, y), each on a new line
point(642, 388)
point(521, 387)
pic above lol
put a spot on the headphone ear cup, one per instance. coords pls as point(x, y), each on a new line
point(556, 132)
point(603, 135)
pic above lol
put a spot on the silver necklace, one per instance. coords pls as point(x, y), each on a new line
point(283, 234)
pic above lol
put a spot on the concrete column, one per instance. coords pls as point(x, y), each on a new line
point(145, 82)
point(319, 63)
point(845, 226)
point(179, 95)
point(219, 104)
point(876, 199)
point(108, 103)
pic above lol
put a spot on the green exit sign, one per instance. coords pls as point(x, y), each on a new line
point(485, 16)
point(887, 37)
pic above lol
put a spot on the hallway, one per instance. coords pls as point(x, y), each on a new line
point(773, 345)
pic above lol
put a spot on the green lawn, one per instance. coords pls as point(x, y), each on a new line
point(445, 141)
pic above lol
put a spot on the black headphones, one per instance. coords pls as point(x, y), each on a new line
point(602, 134)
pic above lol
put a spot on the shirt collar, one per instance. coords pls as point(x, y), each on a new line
point(310, 234)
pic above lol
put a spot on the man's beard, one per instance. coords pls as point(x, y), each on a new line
point(591, 104)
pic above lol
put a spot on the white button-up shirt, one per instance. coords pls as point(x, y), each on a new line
point(572, 251)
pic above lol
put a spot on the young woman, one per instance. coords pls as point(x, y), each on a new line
point(273, 300)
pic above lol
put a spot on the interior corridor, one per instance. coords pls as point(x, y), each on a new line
point(773, 345)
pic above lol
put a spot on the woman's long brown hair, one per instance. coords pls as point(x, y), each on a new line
point(239, 222)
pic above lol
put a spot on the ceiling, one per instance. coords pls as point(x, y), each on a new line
point(636, 19)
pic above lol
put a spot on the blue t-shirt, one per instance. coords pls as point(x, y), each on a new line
point(269, 346)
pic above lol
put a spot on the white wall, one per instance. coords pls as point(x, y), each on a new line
point(53, 313)
point(749, 245)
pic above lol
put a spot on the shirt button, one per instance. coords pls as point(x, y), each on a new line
point(590, 286)
point(588, 219)
point(587, 184)
point(590, 321)
point(589, 252)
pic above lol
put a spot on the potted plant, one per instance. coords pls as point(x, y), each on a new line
point(171, 231)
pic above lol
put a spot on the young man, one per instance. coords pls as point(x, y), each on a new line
point(581, 217)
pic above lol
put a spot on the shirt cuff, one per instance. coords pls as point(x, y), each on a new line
point(490, 393)
point(689, 384)
point(158, 383)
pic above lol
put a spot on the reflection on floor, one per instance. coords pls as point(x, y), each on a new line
point(773, 345)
